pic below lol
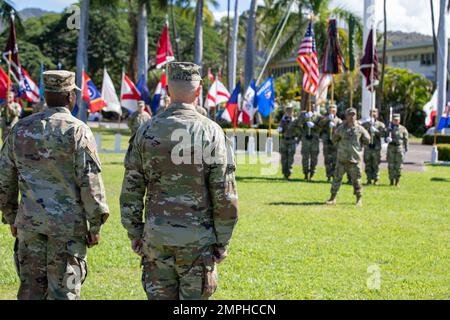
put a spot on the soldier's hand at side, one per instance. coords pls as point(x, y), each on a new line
point(136, 245)
point(92, 239)
point(13, 231)
point(220, 254)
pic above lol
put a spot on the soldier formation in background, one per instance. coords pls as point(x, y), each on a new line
point(138, 117)
point(328, 124)
point(51, 159)
point(397, 139)
point(372, 152)
point(192, 210)
point(306, 128)
point(9, 114)
point(288, 143)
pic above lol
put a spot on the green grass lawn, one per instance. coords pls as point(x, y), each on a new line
point(288, 245)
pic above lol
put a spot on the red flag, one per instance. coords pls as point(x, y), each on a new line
point(210, 75)
point(3, 84)
point(164, 53)
point(13, 50)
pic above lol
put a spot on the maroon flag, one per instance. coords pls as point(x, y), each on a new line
point(369, 63)
point(164, 53)
point(13, 51)
point(332, 61)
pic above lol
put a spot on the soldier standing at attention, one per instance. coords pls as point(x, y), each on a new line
point(350, 138)
point(181, 162)
point(306, 128)
point(50, 157)
point(287, 143)
point(328, 125)
point(9, 112)
point(372, 152)
point(397, 139)
point(138, 117)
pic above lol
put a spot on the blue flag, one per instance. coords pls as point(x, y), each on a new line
point(265, 98)
point(143, 89)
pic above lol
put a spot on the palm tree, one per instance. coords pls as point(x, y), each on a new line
point(250, 45)
point(198, 45)
point(82, 59)
point(142, 39)
point(232, 64)
point(174, 31)
point(383, 66)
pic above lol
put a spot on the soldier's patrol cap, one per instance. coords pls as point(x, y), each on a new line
point(59, 81)
point(350, 111)
point(141, 103)
point(289, 107)
point(183, 71)
point(396, 116)
point(374, 110)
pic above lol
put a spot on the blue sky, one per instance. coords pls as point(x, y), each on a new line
point(403, 15)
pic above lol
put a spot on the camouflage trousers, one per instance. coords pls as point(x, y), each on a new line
point(310, 155)
point(353, 170)
point(287, 151)
point(178, 273)
point(330, 157)
point(49, 267)
point(5, 132)
point(395, 157)
point(372, 159)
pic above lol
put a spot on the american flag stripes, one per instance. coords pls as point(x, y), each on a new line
point(307, 59)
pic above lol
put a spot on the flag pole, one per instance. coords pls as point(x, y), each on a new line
point(8, 89)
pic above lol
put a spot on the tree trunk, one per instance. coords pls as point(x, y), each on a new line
point(226, 63)
point(232, 64)
point(174, 32)
point(434, 43)
point(442, 62)
point(383, 66)
point(132, 61)
point(142, 42)
point(198, 46)
point(82, 60)
point(250, 45)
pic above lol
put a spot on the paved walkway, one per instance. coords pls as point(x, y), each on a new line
point(414, 161)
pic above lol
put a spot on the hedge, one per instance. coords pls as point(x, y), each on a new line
point(443, 152)
point(440, 139)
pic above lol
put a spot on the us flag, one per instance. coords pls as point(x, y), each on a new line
point(307, 59)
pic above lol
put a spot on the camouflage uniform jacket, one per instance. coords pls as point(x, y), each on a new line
point(326, 132)
point(375, 135)
point(350, 141)
point(399, 135)
point(9, 117)
point(300, 129)
point(190, 201)
point(284, 127)
point(51, 159)
point(137, 119)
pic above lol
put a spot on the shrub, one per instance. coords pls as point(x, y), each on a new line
point(440, 139)
point(444, 152)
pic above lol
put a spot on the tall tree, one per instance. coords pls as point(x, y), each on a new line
point(198, 45)
point(250, 45)
point(232, 64)
point(142, 40)
point(383, 66)
point(82, 55)
point(174, 31)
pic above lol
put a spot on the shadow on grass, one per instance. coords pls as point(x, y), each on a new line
point(285, 203)
point(277, 179)
point(435, 179)
point(113, 163)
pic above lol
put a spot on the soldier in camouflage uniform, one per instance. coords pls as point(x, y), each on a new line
point(328, 123)
point(9, 112)
point(397, 139)
point(51, 159)
point(350, 138)
point(306, 128)
point(372, 152)
point(182, 164)
point(287, 143)
point(138, 117)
